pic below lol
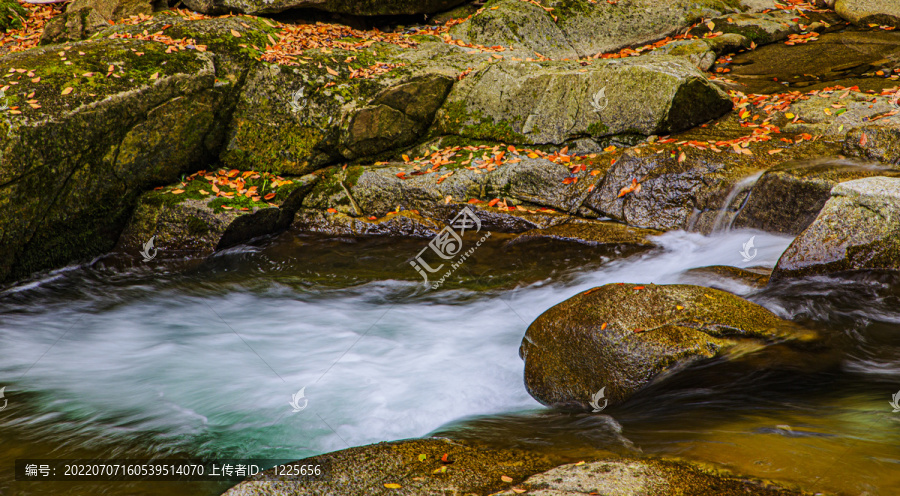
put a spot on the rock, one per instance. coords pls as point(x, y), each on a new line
point(552, 102)
point(592, 233)
point(623, 337)
point(729, 278)
point(403, 224)
point(761, 28)
point(12, 15)
point(865, 12)
point(294, 120)
point(697, 51)
point(881, 142)
point(83, 18)
point(352, 7)
point(788, 197)
point(378, 190)
point(580, 28)
point(520, 25)
point(193, 224)
point(858, 229)
point(651, 477)
point(73, 169)
point(367, 469)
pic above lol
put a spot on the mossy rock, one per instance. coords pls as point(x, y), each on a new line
point(417, 466)
point(11, 15)
point(554, 102)
point(73, 167)
point(352, 7)
point(858, 229)
point(195, 224)
point(620, 338)
point(647, 477)
point(405, 224)
point(865, 12)
point(593, 233)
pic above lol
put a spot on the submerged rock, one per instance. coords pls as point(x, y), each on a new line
point(620, 338)
point(417, 466)
point(440, 466)
point(858, 229)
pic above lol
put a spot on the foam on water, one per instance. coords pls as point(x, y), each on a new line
point(215, 374)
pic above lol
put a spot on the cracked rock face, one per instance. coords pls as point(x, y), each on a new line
point(858, 229)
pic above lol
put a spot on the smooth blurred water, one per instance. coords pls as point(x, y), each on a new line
point(143, 362)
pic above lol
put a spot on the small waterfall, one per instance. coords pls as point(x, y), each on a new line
point(725, 217)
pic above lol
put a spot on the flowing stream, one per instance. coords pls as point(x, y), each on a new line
point(116, 360)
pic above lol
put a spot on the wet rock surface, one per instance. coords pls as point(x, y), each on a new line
point(620, 338)
point(858, 229)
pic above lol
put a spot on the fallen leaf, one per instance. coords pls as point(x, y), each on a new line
point(448, 200)
point(505, 478)
point(494, 202)
point(235, 33)
point(405, 157)
point(269, 196)
point(638, 288)
point(391, 485)
point(445, 458)
point(67, 90)
point(603, 326)
point(679, 307)
point(177, 191)
point(331, 71)
point(682, 157)
point(423, 456)
point(863, 140)
point(332, 210)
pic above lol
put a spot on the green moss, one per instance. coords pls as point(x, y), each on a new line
point(598, 129)
point(455, 118)
point(285, 149)
point(11, 15)
point(197, 226)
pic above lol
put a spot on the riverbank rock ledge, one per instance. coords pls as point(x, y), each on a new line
point(442, 467)
point(352, 7)
point(865, 12)
point(858, 229)
point(623, 337)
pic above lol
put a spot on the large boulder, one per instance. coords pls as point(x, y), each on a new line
point(416, 466)
point(580, 28)
point(353, 7)
point(623, 337)
point(552, 102)
point(858, 229)
point(865, 12)
point(88, 128)
point(441, 466)
point(788, 197)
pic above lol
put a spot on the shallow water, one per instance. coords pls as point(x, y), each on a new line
point(132, 361)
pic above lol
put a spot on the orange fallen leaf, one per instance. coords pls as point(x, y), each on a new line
point(474, 201)
point(506, 478)
point(863, 140)
point(331, 71)
point(67, 90)
point(629, 189)
point(392, 485)
point(448, 200)
point(332, 210)
point(682, 157)
point(493, 202)
point(603, 326)
point(269, 196)
point(177, 191)
point(235, 33)
point(638, 288)
point(446, 458)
